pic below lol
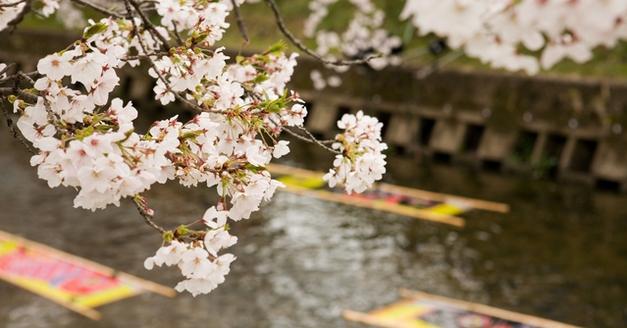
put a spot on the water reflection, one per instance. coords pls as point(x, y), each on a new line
point(559, 254)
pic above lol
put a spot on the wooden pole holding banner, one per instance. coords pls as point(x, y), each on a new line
point(475, 203)
point(408, 211)
point(147, 285)
point(485, 309)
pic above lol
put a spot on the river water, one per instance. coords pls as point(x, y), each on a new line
point(561, 253)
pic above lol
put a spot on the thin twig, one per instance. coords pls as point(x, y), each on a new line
point(26, 77)
point(310, 138)
point(147, 216)
point(302, 47)
point(430, 69)
point(240, 22)
point(98, 8)
point(148, 25)
point(151, 2)
point(28, 97)
point(156, 69)
point(7, 68)
point(177, 36)
point(139, 57)
point(14, 132)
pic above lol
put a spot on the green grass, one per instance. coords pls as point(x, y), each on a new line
point(607, 63)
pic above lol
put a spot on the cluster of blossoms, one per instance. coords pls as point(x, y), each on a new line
point(86, 139)
point(364, 36)
point(361, 162)
point(495, 31)
point(510, 34)
point(198, 261)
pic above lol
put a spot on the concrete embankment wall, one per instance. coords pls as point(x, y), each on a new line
point(571, 128)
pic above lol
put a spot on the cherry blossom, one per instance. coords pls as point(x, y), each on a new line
point(361, 161)
point(86, 139)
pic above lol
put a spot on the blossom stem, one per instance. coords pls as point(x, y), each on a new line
point(148, 217)
point(15, 133)
point(312, 139)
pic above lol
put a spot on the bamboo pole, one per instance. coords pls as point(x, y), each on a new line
point(379, 205)
point(475, 203)
point(485, 309)
point(384, 187)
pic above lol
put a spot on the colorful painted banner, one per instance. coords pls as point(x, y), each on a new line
point(421, 310)
point(71, 281)
point(400, 200)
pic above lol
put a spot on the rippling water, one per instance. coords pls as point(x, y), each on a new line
point(561, 253)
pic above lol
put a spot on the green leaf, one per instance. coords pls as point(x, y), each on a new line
point(260, 78)
point(277, 47)
point(168, 236)
point(84, 133)
point(94, 29)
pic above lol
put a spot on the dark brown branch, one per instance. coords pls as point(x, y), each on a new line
point(148, 25)
point(98, 8)
point(177, 36)
point(6, 69)
point(148, 217)
point(14, 132)
point(240, 22)
point(302, 47)
point(28, 97)
point(26, 77)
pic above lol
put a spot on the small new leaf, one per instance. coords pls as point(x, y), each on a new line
point(94, 29)
point(277, 47)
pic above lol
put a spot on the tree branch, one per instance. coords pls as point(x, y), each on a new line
point(309, 138)
point(14, 132)
point(148, 25)
point(240, 22)
point(28, 97)
point(148, 217)
point(302, 47)
point(6, 69)
point(98, 8)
